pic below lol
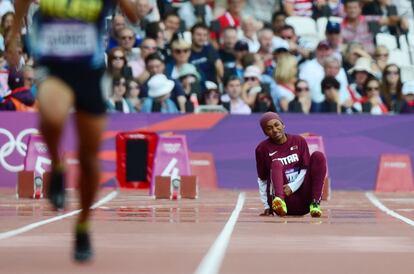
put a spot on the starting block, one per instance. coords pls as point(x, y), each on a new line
point(31, 185)
point(395, 173)
point(176, 187)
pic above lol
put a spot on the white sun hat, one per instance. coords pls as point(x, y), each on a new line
point(252, 71)
point(362, 64)
point(159, 85)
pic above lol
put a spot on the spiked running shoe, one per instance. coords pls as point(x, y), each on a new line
point(57, 189)
point(279, 206)
point(315, 210)
point(83, 250)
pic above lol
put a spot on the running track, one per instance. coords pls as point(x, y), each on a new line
point(220, 232)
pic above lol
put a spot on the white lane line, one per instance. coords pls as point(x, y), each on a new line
point(211, 262)
point(374, 200)
point(23, 229)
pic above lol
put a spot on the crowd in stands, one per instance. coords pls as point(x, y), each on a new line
point(244, 56)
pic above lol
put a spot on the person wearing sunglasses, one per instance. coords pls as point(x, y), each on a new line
point(297, 46)
point(116, 102)
point(128, 42)
point(302, 102)
point(117, 24)
point(132, 95)
point(381, 57)
point(372, 102)
point(180, 53)
point(251, 84)
point(391, 88)
point(117, 63)
point(67, 44)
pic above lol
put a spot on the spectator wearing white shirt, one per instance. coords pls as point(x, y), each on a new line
point(250, 27)
point(332, 67)
point(312, 71)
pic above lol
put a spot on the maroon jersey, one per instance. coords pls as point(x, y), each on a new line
point(293, 154)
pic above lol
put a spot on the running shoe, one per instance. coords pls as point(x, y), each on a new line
point(279, 206)
point(83, 249)
point(56, 193)
point(315, 210)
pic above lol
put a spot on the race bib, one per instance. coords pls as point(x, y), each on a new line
point(67, 40)
point(291, 175)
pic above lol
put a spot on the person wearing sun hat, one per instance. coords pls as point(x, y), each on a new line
point(180, 53)
point(361, 71)
point(190, 80)
point(159, 90)
point(284, 163)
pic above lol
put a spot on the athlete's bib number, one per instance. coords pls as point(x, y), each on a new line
point(291, 175)
point(68, 40)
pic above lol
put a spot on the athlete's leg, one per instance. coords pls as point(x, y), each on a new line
point(318, 169)
point(311, 189)
point(90, 128)
point(55, 101)
point(278, 178)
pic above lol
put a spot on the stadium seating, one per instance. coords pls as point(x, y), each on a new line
point(399, 57)
point(387, 40)
point(304, 26)
point(407, 73)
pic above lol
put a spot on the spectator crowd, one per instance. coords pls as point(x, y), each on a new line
point(242, 56)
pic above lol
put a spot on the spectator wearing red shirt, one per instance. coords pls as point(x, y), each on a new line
point(231, 18)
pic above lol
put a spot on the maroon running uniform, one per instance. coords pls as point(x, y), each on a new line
point(290, 163)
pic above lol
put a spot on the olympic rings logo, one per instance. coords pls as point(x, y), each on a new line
point(8, 148)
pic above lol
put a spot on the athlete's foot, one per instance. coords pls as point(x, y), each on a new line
point(83, 249)
point(56, 193)
point(279, 206)
point(315, 210)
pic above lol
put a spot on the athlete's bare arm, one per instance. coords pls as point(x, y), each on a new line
point(130, 9)
point(12, 41)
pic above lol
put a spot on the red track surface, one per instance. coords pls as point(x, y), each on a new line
point(136, 234)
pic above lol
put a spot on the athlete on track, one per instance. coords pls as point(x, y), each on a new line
point(284, 164)
point(67, 44)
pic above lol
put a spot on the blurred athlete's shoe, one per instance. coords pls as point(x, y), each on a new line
point(279, 206)
point(83, 249)
point(56, 193)
point(315, 210)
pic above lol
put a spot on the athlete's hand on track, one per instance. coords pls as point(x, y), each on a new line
point(267, 212)
point(287, 190)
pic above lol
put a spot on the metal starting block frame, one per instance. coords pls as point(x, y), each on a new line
point(174, 188)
